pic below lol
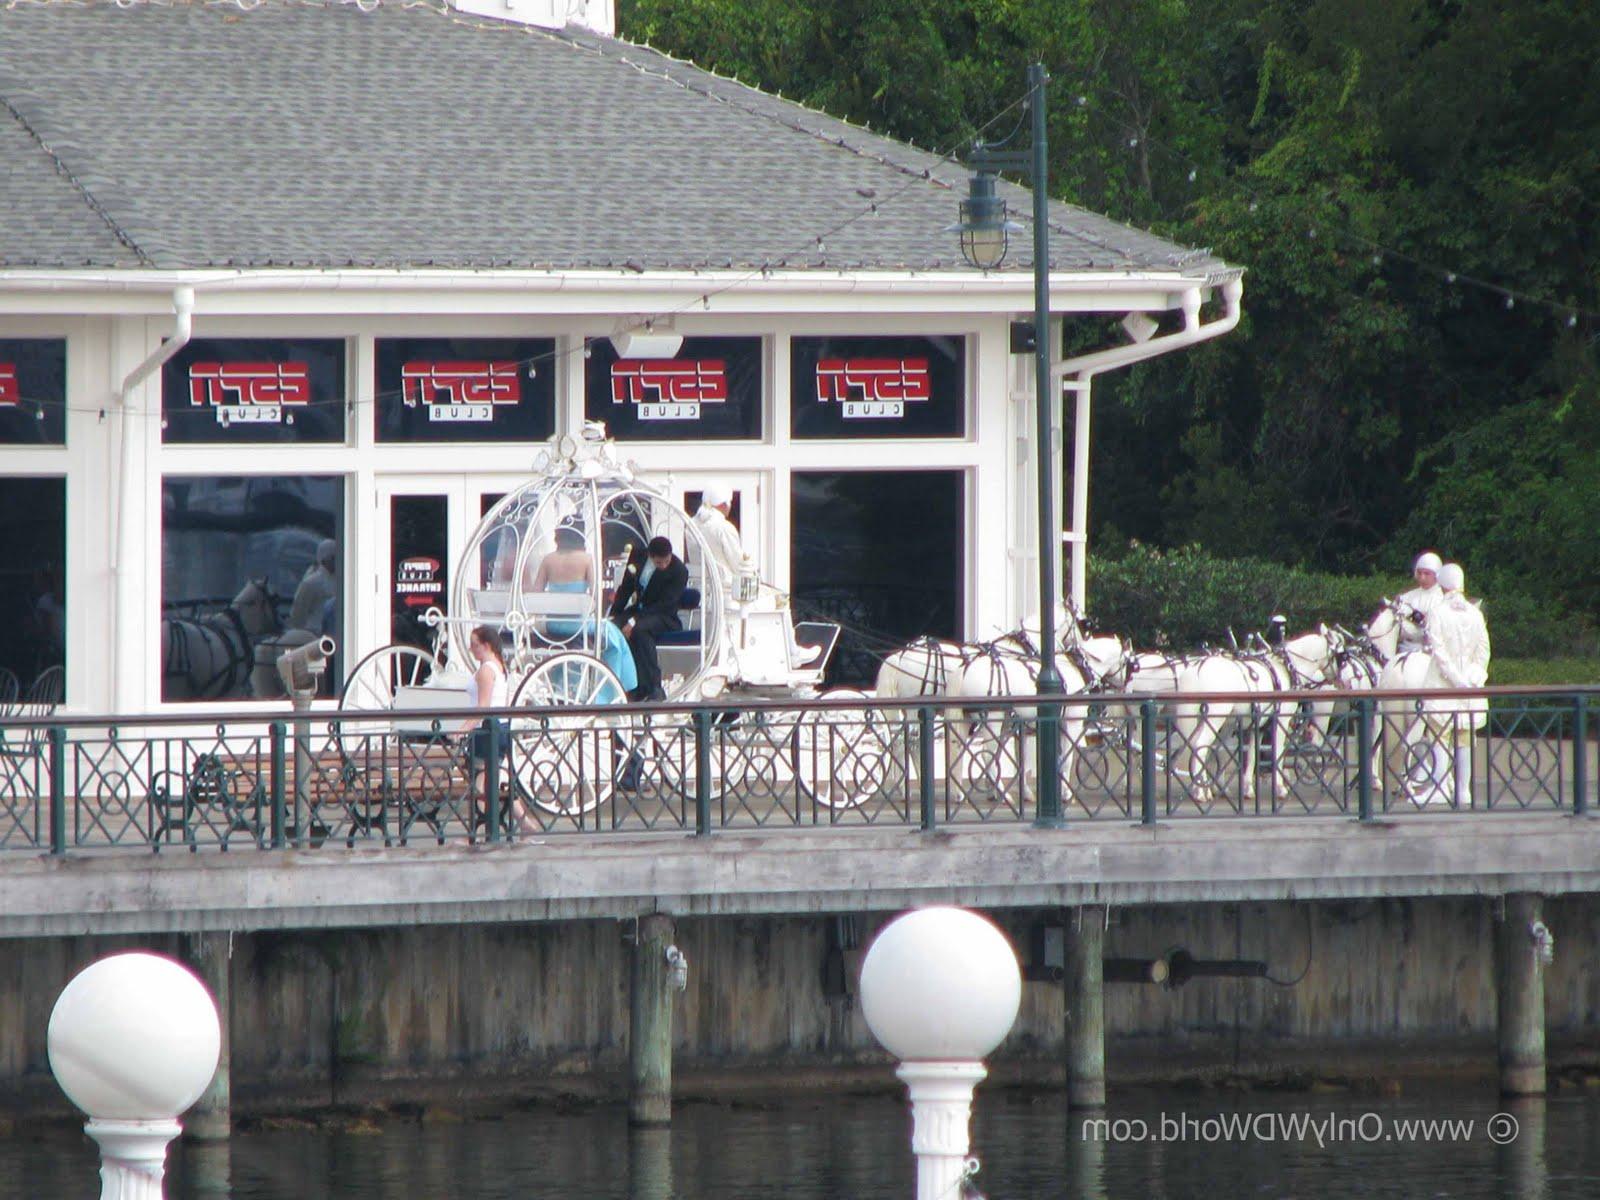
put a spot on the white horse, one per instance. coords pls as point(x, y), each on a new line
point(210, 658)
point(1300, 663)
point(1357, 668)
point(1403, 732)
point(996, 747)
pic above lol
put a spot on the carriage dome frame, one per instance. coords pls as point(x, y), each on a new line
point(584, 487)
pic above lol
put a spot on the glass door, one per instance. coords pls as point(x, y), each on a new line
point(418, 542)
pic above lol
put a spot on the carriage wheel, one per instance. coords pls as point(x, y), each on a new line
point(372, 684)
point(845, 759)
point(569, 764)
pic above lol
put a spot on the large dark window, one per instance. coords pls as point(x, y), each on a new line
point(239, 391)
point(33, 391)
point(466, 389)
point(882, 553)
point(250, 566)
point(33, 581)
point(709, 391)
point(877, 387)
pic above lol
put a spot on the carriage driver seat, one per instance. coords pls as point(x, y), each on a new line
point(689, 636)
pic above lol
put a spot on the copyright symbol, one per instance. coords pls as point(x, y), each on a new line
point(1502, 1129)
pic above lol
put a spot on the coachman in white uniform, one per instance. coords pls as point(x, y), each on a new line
point(722, 538)
point(1423, 598)
point(1458, 641)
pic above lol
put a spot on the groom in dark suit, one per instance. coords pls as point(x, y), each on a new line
point(646, 604)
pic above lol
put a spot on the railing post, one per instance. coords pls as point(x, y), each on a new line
point(925, 789)
point(1580, 755)
point(1047, 814)
point(280, 733)
point(1364, 758)
point(1147, 763)
point(57, 739)
point(491, 781)
point(702, 772)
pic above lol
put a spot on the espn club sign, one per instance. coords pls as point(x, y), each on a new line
point(249, 393)
point(670, 389)
point(252, 390)
point(873, 388)
point(710, 390)
point(33, 391)
point(465, 389)
point(884, 386)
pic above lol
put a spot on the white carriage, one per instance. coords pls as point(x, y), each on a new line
point(564, 652)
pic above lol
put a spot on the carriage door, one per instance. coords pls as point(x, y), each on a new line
point(745, 511)
point(416, 555)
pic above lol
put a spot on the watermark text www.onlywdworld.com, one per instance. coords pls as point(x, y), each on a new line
point(1324, 1129)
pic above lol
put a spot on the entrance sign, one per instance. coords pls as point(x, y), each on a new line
point(710, 390)
point(33, 391)
point(877, 387)
point(255, 390)
point(465, 389)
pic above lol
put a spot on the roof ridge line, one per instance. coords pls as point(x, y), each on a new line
point(578, 40)
point(797, 127)
point(71, 177)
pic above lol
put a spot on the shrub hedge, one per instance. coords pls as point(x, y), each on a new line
point(1189, 597)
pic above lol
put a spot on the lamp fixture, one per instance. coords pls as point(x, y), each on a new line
point(984, 229)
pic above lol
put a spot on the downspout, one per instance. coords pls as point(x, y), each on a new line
point(1085, 367)
point(124, 661)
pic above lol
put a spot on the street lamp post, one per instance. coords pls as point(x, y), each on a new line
point(940, 989)
point(984, 234)
point(133, 1041)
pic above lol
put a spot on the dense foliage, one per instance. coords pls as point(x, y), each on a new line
point(1187, 597)
point(1368, 405)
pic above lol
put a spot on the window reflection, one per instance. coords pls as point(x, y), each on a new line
point(250, 567)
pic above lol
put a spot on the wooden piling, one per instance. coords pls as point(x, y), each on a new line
point(1519, 985)
point(209, 956)
point(1085, 1007)
point(650, 1025)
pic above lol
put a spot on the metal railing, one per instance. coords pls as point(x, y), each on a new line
point(347, 778)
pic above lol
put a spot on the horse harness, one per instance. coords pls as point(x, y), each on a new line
point(178, 662)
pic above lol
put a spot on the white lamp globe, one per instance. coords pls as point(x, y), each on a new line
point(940, 984)
point(134, 1037)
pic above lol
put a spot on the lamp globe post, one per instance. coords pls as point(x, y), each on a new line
point(133, 1042)
point(940, 989)
point(985, 236)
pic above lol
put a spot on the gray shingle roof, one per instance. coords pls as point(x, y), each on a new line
point(190, 135)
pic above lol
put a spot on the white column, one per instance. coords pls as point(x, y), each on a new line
point(133, 1157)
point(1079, 534)
point(941, 1112)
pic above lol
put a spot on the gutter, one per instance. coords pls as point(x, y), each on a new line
point(124, 662)
point(1085, 367)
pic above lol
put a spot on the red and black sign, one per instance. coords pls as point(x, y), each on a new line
point(250, 390)
point(33, 391)
point(709, 391)
point(877, 387)
point(466, 389)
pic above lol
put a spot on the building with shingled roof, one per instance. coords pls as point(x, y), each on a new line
point(293, 290)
